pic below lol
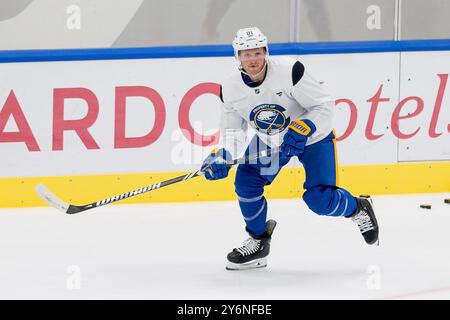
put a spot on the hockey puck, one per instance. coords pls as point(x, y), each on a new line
point(364, 196)
point(425, 206)
point(447, 201)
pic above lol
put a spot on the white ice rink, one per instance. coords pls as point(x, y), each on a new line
point(178, 251)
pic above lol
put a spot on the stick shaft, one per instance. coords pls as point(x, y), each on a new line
point(54, 201)
point(75, 209)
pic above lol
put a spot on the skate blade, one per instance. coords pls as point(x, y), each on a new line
point(258, 263)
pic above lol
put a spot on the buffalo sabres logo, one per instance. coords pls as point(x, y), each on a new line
point(269, 118)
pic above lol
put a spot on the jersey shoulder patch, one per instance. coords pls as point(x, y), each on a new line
point(221, 95)
point(297, 72)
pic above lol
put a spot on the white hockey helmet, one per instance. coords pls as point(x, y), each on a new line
point(249, 38)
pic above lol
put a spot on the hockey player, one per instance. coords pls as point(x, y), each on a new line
point(290, 111)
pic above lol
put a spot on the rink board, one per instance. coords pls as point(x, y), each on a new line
point(90, 129)
point(414, 177)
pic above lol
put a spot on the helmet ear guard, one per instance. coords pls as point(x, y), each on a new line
point(249, 38)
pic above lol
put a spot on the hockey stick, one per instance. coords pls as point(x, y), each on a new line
point(57, 203)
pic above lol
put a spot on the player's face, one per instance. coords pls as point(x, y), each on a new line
point(252, 60)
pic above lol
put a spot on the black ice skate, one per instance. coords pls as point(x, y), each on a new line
point(254, 251)
point(366, 220)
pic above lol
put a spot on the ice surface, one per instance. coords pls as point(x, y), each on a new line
point(178, 251)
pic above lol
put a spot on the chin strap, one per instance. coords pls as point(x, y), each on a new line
point(264, 68)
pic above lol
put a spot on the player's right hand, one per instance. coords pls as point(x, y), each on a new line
point(294, 141)
point(216, 164)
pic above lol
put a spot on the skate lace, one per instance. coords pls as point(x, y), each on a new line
point(363, 221)
point(249, 246)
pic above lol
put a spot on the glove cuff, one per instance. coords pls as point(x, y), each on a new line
point(223, 153)
point(303, 127)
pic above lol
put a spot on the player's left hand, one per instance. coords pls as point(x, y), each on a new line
point(216, 164)
point(294, 140)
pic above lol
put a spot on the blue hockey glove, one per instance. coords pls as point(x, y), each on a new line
point(215, 165)
point(294, 140)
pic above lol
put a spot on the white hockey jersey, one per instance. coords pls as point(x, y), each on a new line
point(271, 106)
